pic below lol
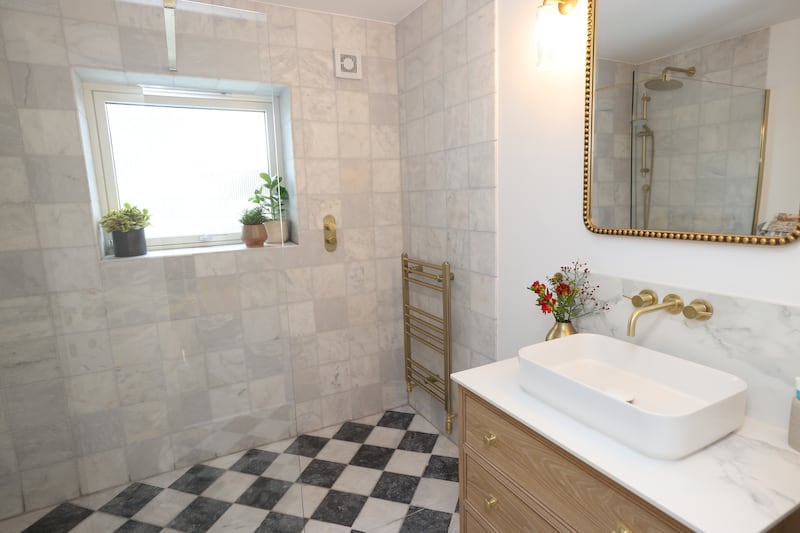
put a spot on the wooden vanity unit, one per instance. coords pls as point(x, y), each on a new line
point(515, 480)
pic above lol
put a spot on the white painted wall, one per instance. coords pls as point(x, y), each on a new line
point(540, 165)
point(782, 156)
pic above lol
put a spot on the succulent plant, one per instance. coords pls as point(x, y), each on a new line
point(126, 219)
point(253, 216)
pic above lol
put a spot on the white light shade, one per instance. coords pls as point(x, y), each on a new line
point(547, 24)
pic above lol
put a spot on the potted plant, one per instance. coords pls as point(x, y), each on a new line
point(273, 198)
point(253, 231)
point(126, 227)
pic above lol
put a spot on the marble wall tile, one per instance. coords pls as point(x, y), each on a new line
point(134, 345)
point(149, 457)
point(323, 176)
point(10, 132)
point(382, 75)
point(143, 382)
point(24, 318)
point(381, 40)
point(92, 43)
point(21, 274)
point(50, 132)
point(386, 175)
point(142, 49)
point(14, 180)
point(90, 393)
point(98, 432)
point(188, 410)
point(453, 11)
point(92, 10)
point(41, 86)
point(225, 367)
point(17, 228)
point(144, 421)
point(350, 33)
point(315, 68)
point(50, 484)
point(57, 178)
point(314, 30)
point(71, 269)
point(29, 361)
point(102, 470)
point(229, 400)
point(336, 408)
point(64, 225)
point(33, 38)
point(83, 353)
point(270, 392)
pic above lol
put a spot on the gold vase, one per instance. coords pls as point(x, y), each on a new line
point(560, 329)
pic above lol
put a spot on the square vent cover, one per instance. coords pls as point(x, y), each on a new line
point(348, 64)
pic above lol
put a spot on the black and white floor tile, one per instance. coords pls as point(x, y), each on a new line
point(387, 473)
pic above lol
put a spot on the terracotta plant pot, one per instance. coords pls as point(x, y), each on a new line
point(254, 235)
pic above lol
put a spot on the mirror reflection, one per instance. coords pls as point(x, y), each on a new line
point(694, 140)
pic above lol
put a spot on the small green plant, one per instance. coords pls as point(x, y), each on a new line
point(126, 219)
point(253, 216)
point(272, 196)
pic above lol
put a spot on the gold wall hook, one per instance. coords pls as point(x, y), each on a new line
point(329, 232)
point(699, 309)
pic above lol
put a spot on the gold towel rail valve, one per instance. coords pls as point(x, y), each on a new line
point(329, 232)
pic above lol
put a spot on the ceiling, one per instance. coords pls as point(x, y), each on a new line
point(391, 11)
point(635, 31)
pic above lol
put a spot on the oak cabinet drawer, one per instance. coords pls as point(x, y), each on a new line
point(491, 499)
point(568, 488)
point(471, 523)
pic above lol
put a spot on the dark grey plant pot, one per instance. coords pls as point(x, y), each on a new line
point(129, 243)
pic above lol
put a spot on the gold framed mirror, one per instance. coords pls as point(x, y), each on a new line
point(679, 139)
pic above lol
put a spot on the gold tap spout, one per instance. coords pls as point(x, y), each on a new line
point(673, 304)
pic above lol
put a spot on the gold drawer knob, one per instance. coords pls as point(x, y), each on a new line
point(621, 529)
point(491, 502)
point(490, 439)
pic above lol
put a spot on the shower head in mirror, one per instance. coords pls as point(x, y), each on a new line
point(665, 82)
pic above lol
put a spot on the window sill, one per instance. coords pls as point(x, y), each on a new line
point(180, 252)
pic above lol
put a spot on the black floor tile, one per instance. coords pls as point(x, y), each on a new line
point(132, 526)
point(131, 500)
point(414, 441)
point(395, 487)
point(419, 519)
point(200, 515)
point(440, 467)
point(307, 445)
point(197, 479)
point(254, 462)
point(339, 508)
point(321, 473)
point(59, 520)
point(281, 523)
point(370, 456)
point(396, 420)
point(264, 493)
point(353, 432)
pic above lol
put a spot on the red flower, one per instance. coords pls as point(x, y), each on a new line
point(563, 289)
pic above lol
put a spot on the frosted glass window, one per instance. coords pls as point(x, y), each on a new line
point(192, 162)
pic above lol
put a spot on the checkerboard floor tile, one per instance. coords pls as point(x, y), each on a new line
point(387, 473)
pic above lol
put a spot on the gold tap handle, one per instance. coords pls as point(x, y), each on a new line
point(699, 309)
point(645, 297)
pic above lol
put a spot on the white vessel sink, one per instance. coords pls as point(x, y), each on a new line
point(662, 406)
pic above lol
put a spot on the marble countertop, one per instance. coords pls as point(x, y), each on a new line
point(742, 483)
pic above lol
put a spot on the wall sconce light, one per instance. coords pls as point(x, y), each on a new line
point(548, 29)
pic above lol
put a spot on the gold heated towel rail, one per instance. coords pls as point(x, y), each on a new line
point(429, 330)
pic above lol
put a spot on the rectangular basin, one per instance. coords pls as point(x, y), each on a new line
point(660, 405)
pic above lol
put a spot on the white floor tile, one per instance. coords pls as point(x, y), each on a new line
point(98, 499)
point(287, 467)
point(279, 446)
point(436, 494)
point(166, 479)
point(301, 500)
point(410, 463)
point(370, 419)
point(340, 451)
point(314, 526)
point(381, 515)
point(455, 524)
point(226, 461)
point(357, 480)
point(418, 423)
point(229, 486)
point(23, 521)
point(239, 518)
point(445, 447)
point(99, 523)
point(327, 432)
point(164, 507)
point(386, 437)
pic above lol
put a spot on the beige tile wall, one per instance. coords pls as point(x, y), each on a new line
point(113, 370)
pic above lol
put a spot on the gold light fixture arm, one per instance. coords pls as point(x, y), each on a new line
point(565, 7)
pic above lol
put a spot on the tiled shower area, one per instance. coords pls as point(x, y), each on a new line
point(137, 388)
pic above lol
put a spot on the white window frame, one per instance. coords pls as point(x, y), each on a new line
point(97, 95)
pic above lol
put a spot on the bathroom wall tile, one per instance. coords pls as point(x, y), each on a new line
point(314, 30)
point(456, 126)
point(10, 495)
point(381, 40)
point(282, 26)
point(350, 34)
point(57, 179)
point(79, 311)
point(284, 62)
point(270, 392)
point(149, 457)
point(50, 132)
point(453, 11)
point(386, 175)
point(102, 470)
point(382, 75)
point(480, 31)
point(315, 68)
point(179, 338)
point(261, 324)
point(92, 10)
point(264, 359)
point(328, 314)
point(328, 281)
point(97, 432)
point(142, 49)
point(214, 264)
point(366, 400)
point(322, 176)
point(92, 43)
point(70, 269)
point(24, 318)
point(225, 367)
point(144, 421)
point(384, 109)
point(359, 243)
point(188, 410)
point(321, 139)
point(432, 19)
point(41, 86)
point(481, 75)
point(388, 241)
point(434, 132)
point(217, 58)
point(29, 361)
point(385, 141)
point(17, 228)
point(229, 400)
point(33, 38)
point(483, 257)
point(142, 382)
point(365, 371)
point(482, 294)
point(432, 52)
point(134, 345)
point(21, 274)
point(8, 458)
point(217, 294)
point(10, 132)
point(50, 484)
point(258, 289)
point(63, 225)
point(336, 408)
point(360, 277)
point(91, 393)
point(14, 180)
point(354, 140)
point(454, 46)
point(318, 104)
point(361, 309)
point(332, 346)
point(219, 332)
point(352, 106)
point(482, 119)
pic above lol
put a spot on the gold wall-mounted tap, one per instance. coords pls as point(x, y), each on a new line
point(646, 302)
